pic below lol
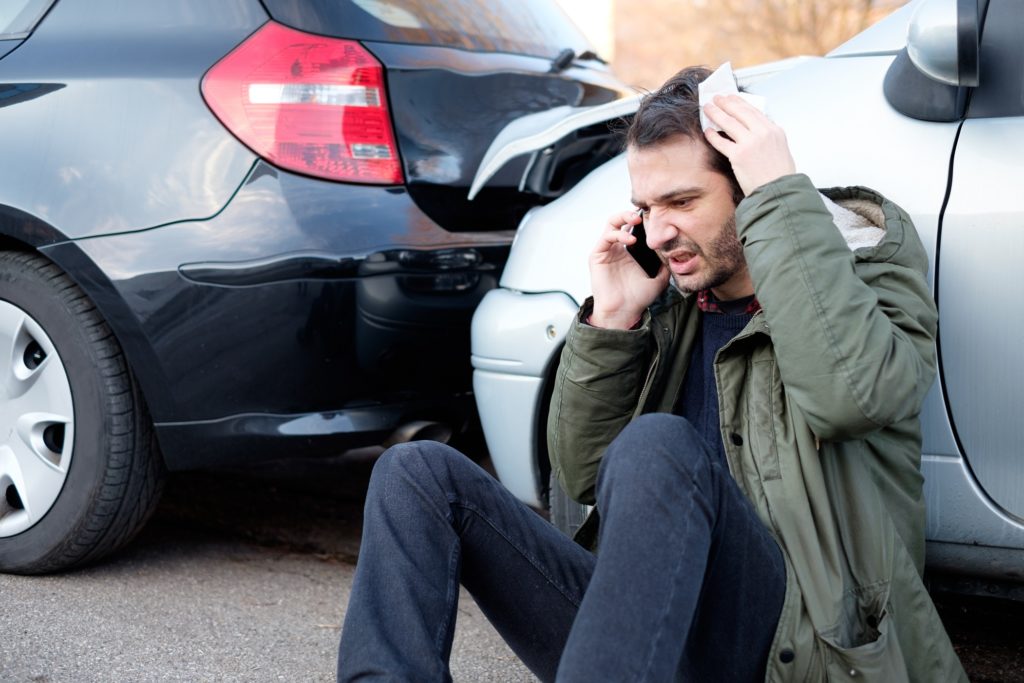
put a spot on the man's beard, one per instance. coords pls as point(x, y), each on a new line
point(723, 258)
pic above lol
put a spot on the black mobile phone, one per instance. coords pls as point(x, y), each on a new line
point(643, 254)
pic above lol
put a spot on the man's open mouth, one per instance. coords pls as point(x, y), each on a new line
point(682, 262)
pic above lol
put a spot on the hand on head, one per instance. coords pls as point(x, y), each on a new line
point(756, 147)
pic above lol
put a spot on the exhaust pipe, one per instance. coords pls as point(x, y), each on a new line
point(421, 430)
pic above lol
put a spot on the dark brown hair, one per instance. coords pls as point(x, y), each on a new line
point(673, 110)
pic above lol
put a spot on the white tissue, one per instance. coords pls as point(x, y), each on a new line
point(723, 82)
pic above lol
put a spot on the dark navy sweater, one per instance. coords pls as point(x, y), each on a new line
point(698, 398)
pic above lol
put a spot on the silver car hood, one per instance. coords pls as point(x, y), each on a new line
point(532, 133)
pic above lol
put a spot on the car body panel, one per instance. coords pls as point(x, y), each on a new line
point(888, 36)
point(7, 46)
point(278, 305)
point(82, 162)
point(1001, 60)
point(505, 434)
point(966, 531)
point(982, 235)
point(18, 18)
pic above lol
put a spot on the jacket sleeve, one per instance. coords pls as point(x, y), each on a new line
point(853, 334)
point(597, 387)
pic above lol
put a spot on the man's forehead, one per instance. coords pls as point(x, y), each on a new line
point(675, 168)
point(674, 145)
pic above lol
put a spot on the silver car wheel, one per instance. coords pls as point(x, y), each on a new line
point(36, 422)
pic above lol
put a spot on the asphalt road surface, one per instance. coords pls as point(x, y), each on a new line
point(244, 577)
point(238, 577)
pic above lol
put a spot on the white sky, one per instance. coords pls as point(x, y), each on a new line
point(594, 17)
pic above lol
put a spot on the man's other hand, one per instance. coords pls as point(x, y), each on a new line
point(756, 147)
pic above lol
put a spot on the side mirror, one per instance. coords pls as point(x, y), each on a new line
point(943, 40)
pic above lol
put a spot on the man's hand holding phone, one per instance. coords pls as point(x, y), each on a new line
point(621, 287)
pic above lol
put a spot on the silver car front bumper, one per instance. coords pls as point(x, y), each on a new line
point(516, 339)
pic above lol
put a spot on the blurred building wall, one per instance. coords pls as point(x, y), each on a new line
point(652, 39)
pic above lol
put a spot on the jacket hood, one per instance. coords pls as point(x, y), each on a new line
point(860, 221)
point(874, 227)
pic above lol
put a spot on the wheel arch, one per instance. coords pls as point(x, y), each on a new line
point(138, 353)
point(21, 231)
point(543, 458)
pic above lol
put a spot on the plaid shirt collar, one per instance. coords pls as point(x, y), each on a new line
point(706, 302)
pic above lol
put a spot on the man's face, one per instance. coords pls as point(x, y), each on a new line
point(690, 217)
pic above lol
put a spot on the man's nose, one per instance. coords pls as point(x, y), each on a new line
point(659, 230)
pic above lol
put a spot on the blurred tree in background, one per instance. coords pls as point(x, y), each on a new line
point(655, 38)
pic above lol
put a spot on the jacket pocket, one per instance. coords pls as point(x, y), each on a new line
point(879, 658)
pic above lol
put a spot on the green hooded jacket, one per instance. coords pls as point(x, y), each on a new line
point(819, 398)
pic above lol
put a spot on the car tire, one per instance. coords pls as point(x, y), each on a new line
point(566, 514)
point(80, 471)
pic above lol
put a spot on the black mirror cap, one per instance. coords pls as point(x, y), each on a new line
point(913, 94)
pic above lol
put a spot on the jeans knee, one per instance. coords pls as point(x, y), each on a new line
point(421, 465)
point(396, 458)
point(660, 425)
point(654, 449)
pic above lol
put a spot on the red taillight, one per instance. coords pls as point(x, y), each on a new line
point(307, 103)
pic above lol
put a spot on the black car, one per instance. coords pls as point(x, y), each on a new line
point(239, 230)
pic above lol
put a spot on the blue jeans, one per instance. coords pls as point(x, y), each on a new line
point(688, 583)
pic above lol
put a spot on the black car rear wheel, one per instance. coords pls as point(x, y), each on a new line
point(79, 469)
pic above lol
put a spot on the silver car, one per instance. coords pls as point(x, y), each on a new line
point(927, 107)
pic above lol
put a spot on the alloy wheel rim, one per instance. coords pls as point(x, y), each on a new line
point(36, 421)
